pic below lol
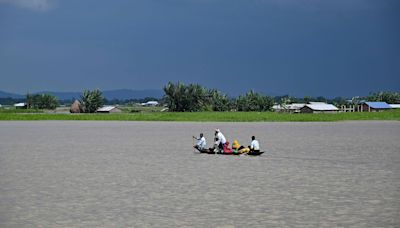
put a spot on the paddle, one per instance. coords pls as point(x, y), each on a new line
point(193, 144)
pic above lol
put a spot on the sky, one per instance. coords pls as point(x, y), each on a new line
point(277, 47)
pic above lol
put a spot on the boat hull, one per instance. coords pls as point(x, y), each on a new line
point(251, 153)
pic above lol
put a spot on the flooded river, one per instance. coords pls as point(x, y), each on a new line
point(145, 174)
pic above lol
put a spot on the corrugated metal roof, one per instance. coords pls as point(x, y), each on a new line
point(296, 106)
point(378, 105)
point(394, 105)
point(106, 109)
point(277, 107)
point(150, 103)
point(19, 105)
point(322, 107)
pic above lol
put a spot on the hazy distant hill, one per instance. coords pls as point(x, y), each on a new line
point(109, 94)
point(130, 94)
point(12, 95)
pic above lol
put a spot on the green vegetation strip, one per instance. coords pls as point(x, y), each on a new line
point(208, 116)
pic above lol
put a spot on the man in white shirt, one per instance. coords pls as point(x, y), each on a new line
point(221, 140)
point(201, 142)
point(255, 146)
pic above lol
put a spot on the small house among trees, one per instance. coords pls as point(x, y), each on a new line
point(291, 108)
point(150, 103)
point(21, 105)
point(109, 109)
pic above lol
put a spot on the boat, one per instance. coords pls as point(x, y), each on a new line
point(251, 153)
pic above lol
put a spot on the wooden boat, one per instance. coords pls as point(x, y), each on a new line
point(251, 153)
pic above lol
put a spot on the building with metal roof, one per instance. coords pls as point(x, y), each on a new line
point(292, 108)
point(394, 105)
point(20, 105)
point(150, 103)
point(319, 107)
point(375, 106)
point(109, 109)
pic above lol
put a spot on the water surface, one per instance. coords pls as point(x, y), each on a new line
point(145, 174)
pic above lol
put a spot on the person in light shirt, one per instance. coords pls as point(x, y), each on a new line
point(255, 145)
point(201, 142)
point(221, 140)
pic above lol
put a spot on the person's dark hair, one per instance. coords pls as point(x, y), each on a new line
point(201, 134)
point(253, 137)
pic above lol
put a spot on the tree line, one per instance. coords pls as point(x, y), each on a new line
point(179, 97)
point(41, 101)
point(90, 101)
point(194, 98)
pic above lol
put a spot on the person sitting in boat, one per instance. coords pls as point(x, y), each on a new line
point(221, 140)
point(215, 147)
point(236, 147)
point(255, 145)
point(201, 142)
point(227, 150)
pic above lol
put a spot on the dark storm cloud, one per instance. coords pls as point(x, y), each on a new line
point(300, 47)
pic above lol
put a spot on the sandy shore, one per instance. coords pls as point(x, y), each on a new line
point(145, 174)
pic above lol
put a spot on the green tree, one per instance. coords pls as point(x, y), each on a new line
point(253, 101)
point(307, 99)
point(339, 101)
point(219, 101)
point(41, 101)
point(356, 100)
point(388, 97)
point(91, 100)
point(182, 98)
point(321, 99)
point(193, 97)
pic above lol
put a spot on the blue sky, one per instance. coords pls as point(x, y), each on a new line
point(296, 47)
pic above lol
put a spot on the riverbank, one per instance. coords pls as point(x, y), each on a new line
point(208, 116)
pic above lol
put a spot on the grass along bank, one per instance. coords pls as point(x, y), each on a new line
point(208, 116)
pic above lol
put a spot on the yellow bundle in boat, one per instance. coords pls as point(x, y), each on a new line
point(235, 145)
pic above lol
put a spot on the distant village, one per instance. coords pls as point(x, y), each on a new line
point(309, 107)
point(76, 107)
point(179, 97)
point(322, 107)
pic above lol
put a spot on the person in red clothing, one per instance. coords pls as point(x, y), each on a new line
point(227, 150)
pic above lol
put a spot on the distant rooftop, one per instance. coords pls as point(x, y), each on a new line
point(321, 106)
point(378, 105)
point(106, 108)
point(150, 103)
point(20, 105)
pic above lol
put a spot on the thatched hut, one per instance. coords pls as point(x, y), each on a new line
point(76, 107)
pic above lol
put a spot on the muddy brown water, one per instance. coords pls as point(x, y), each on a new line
point(145, 174)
